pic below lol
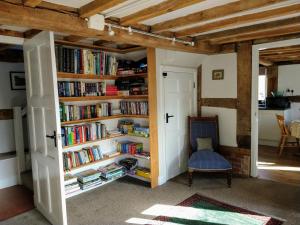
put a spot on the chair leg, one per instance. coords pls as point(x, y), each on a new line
point(190, 178)
point(282, 144)
point(229, 177)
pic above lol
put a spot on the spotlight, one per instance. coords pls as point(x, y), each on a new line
point(110, 31)
point(130, 31)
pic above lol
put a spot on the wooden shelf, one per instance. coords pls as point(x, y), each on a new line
point(93, 98)
point(90, 142)
point(92, 163)
point(104, 118)
point(96, 77)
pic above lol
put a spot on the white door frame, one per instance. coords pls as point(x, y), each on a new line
point(161, 117)
point(254, 100)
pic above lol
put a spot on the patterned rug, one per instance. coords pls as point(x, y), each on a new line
point(200, 210)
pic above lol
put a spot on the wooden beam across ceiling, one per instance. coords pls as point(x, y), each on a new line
point(32, 3)
point(157, 10)
point(97, 6)
point(44, 19)
point(239, 20)
point(264, 30)
point(11, 33)
point(212, 13)
point(73, 38)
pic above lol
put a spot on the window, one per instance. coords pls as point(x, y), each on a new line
point(262, 87)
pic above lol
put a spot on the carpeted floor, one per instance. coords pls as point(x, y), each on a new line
point(125, 200)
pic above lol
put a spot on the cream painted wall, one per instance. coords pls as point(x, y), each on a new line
point(226, 88)
point(289, 77)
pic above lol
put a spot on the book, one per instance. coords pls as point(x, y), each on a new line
point(128, 147)
point(134, 107)
point(70, 179)
point(88, 175)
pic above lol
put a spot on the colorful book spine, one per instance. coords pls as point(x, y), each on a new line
point(134, 107)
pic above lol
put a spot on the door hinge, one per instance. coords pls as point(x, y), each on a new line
point(165, 74)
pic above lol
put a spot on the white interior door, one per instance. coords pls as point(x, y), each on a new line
point(179, 103)
point(43, 120)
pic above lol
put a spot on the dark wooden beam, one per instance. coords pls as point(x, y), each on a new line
point(157, 10)
point(244, 83)
point(239, 20)
point(11, 33)
point(272, 79)
point(212, 13)
point(31, 33)
point(44, 19)
point(230, 103)
point(73, 38)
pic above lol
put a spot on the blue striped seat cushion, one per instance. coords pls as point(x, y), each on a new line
point(208, 160)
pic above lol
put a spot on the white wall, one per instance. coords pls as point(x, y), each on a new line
point(289, 78)
point(226, 88)
point(169, 58)
point(8, 99)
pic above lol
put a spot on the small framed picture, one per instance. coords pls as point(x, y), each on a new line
point(17, 80)
point(218, 74)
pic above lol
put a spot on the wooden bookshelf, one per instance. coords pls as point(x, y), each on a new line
point(96, 77)
point(90, 142)
point(72, 170)
point(104, 118)
point(94, 98)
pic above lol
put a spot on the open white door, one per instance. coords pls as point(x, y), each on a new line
point(179, 102)
point(44, 126)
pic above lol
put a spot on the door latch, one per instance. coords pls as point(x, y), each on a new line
point(168, 116)
point(54, 137)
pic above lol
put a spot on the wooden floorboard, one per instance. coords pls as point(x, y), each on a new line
point(284, 169)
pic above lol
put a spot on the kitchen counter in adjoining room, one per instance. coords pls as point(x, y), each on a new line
point(268, 129)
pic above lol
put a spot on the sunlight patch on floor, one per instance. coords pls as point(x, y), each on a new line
point(280, 168)
point(150, 222)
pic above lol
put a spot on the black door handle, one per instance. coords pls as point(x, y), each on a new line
point(168, 116)
point(52, 137)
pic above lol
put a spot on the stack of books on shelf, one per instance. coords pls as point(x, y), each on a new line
point(128, 147)
point(140, 131)
point(71, 184)
point(111, 171)
point(85, 61)
point(89, 179)
point(143, 155)
point(143, 172)
point(111, 90)
point(77, 158)
point(75, 112)
point(82, 133)
point(134, 107)
point(80, 88)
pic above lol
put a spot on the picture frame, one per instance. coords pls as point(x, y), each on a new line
point(17, 80)
point(218, 74)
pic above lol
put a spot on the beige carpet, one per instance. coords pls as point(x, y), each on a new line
point(122, 200)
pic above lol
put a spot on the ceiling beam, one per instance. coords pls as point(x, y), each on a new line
point(11, 33)
point(240, 20)
point(265, 62)
point(44, 19)
point(97, 6)
point(212, 13)
point(157, 10)
point(31, 33)
point(73, 38)
point(32, 3)
point(263, 30)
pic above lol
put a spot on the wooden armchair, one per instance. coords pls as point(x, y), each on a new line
point(285, 135)
point(206, 160)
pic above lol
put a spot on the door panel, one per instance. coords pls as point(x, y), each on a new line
point(43, 119)
point(179, 102)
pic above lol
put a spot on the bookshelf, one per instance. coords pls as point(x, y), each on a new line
point(109, 76)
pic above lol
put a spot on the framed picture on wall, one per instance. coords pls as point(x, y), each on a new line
point(17, 80)
point(218, 74)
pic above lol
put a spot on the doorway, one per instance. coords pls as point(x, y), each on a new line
point(264, 155)
point(179, 98)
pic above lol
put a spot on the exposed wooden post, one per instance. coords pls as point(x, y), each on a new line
point(153, 139)
point(199, 89)
point(272, 79)
point(244, 77)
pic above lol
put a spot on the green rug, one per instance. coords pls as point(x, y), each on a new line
point(200, 210)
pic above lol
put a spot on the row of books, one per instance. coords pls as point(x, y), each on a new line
point(134, 107)
point(129, 147)
point(75, 112)
point(82, 133)
point(80, 88)
point(73, 60)
point(89, 179)
point(111, 171)
point(81, 157)
point(71, 184)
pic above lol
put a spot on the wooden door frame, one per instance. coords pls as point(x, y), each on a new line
point(254, 101)
point(161, 116)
